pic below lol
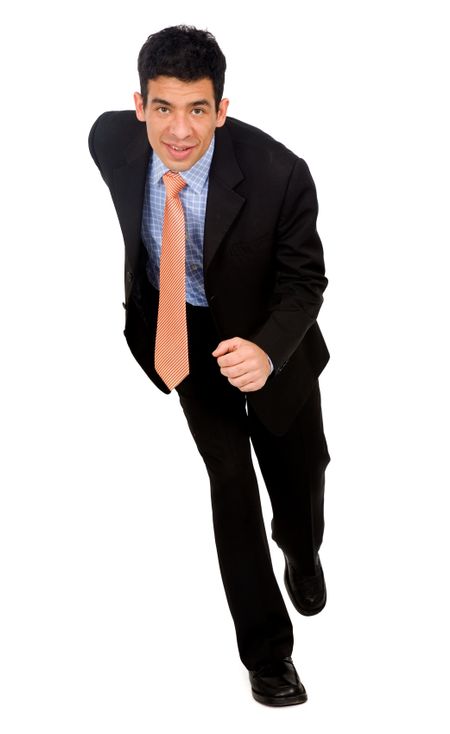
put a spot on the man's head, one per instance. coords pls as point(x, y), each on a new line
point(181, 72)
point(185, 53)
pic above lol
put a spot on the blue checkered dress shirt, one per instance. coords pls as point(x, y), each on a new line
point(193, 197)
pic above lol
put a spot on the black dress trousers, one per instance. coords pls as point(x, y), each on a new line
point(293, 467)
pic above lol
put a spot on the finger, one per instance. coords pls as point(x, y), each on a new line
point(234, 371)
point(253, 386)
point(243, 381)
point(231, 359)
point(228, 345)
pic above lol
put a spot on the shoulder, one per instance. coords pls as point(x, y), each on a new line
point(249, 137)
point(257, 151)
point(111, 133)
point(111, 125)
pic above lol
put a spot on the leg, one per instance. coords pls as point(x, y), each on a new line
point(218, 423)
point(293, 467)
point(215, 412)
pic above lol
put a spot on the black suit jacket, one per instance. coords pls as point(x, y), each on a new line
point(264, 271)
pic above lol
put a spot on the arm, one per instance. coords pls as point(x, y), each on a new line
point(297, 295)
point(91, 142)
point(300, 271)
point(99, 143)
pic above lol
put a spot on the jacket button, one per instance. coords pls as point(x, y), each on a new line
point(211, 299)
point(124, 305)
point(130, 275)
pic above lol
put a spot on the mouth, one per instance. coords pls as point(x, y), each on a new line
point(179, 151)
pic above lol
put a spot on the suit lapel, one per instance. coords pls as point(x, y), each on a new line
point(129, 187)
point(223, 203)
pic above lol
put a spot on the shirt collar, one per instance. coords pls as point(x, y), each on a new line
point(195, 177)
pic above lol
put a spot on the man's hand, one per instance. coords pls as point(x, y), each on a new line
point(244, 363)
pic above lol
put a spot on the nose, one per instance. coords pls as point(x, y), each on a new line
point(180, 126)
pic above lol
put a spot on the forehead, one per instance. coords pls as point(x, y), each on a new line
point(175, 91)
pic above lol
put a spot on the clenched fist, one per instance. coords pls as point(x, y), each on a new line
point(246, 365)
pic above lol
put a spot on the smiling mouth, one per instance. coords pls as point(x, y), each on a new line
point(179, 148)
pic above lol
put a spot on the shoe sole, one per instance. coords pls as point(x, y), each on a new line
point(276, 701)
point(305, 612)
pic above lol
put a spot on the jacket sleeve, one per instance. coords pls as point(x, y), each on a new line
point(98, 143)
point(299, 271)
point(91, 142)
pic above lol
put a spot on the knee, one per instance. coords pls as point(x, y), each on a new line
point(227, 471)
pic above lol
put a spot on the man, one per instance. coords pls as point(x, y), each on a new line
point(224, 277)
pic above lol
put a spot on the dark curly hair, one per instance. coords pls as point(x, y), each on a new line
point(183, 52)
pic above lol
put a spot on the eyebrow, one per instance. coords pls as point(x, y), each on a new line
point(197, 103)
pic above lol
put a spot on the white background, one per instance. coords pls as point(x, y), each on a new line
point(114, 619)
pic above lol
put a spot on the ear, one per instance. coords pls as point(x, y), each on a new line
point(222, 112)
point(139, 104)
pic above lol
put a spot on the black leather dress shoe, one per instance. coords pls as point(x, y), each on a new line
point(307, 593)
point(277, 684)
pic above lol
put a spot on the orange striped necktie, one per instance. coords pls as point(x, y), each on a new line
point(171, 346)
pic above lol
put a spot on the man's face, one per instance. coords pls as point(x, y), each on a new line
point(181, 118)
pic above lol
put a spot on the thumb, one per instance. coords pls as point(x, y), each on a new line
point(228, 345)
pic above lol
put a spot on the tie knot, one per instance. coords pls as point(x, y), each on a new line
point(173, 183)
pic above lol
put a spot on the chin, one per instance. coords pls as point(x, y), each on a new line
point(177, 167)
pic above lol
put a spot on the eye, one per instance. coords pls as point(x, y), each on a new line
point(162, 109)
point(198, 111)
